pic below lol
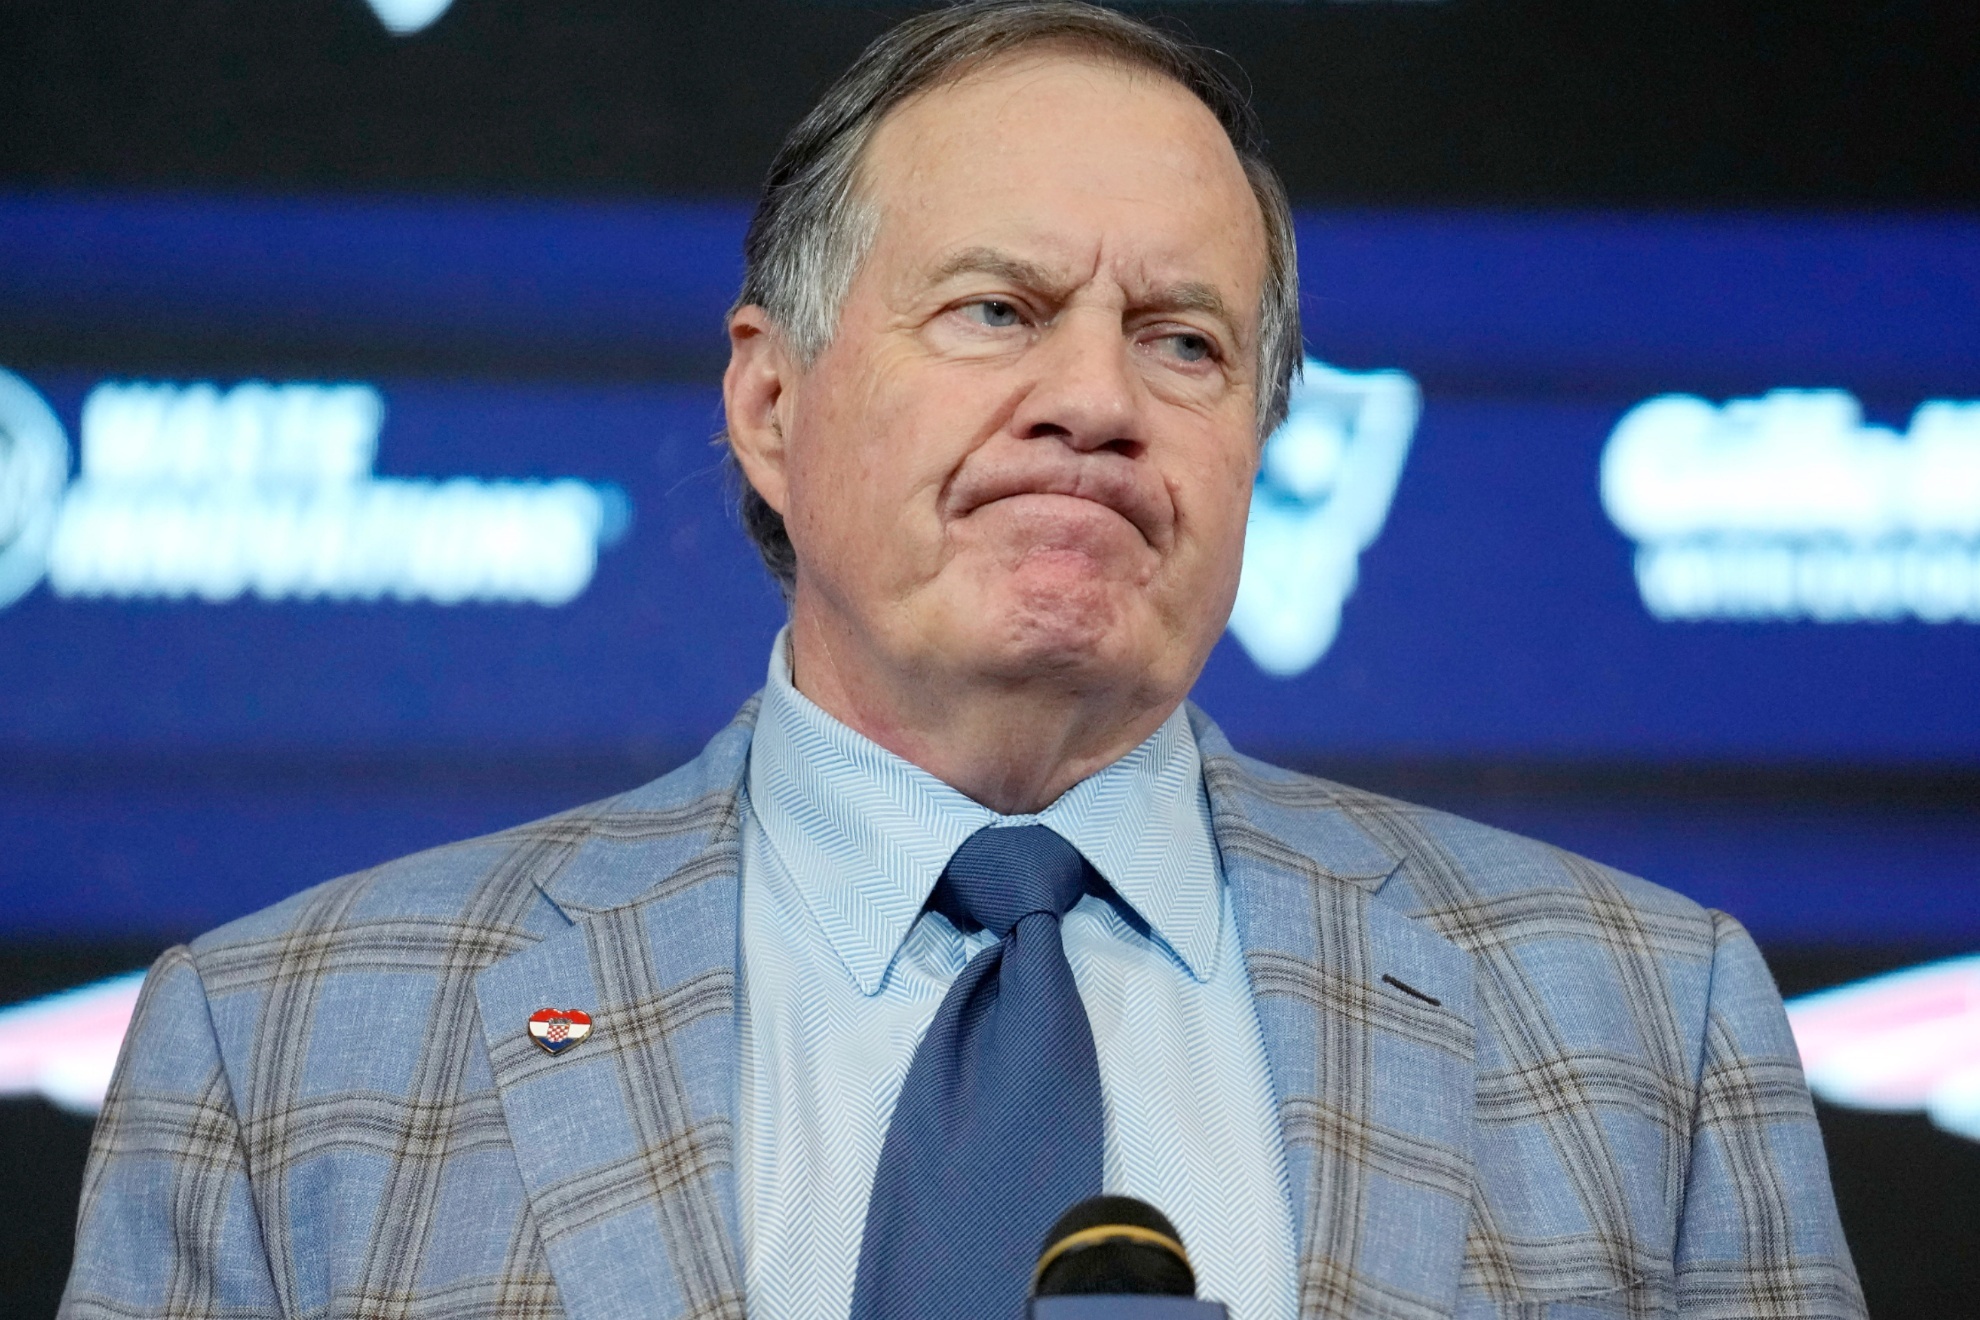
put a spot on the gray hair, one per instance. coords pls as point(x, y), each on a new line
point(812, 228)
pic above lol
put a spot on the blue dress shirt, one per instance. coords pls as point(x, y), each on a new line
point(842, 973)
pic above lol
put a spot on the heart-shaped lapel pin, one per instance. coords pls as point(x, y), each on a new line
point(557, 1029)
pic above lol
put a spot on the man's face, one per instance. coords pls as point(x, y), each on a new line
point(1028, 451)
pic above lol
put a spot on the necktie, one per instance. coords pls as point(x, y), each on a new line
point(998, 1128)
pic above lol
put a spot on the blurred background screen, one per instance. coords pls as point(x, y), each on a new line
point(359, 486)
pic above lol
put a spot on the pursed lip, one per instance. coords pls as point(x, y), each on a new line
point(1108, 480)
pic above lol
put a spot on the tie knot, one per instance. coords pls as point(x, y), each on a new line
point(1005, 873)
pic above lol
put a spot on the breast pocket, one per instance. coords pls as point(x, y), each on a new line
point(1635, 1300)
point(1564, 1278)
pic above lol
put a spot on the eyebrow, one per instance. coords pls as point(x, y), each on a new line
point(989, 261)
point(1184, 296)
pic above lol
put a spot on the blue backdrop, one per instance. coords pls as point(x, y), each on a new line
point(1497, 615)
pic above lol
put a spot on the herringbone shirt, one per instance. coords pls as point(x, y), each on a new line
point(842, 973)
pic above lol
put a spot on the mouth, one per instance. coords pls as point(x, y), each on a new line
point(1080, 502)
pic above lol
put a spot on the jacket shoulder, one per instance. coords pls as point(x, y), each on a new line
point(1595, 995)
point(492, 881)
point(511, 887)
point(1479, 885)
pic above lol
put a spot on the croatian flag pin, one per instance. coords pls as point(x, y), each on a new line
point(557, 1029)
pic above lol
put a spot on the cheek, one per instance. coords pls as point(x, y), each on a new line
point(832, 454)
point(1215, 499)
point(861, 470)
point(1216, 523)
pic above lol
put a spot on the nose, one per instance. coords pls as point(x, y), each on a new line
point(1083, 391)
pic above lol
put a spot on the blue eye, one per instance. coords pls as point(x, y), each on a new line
point(1191, 348)
point(994, 314)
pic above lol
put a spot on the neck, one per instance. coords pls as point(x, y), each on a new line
point(1012, 744)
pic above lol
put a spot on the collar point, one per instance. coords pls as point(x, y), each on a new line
point(1201, 966)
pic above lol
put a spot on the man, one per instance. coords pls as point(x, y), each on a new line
point(970, 915)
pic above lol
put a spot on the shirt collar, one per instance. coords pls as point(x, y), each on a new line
point(865, 834)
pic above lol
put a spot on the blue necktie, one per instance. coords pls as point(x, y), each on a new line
point(998, 1129)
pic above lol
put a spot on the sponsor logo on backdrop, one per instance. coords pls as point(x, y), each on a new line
point(267, 491)
point(1898, 1043)
point(402, 18)
point(63, 1047)
point(1790, 506)
point(34, 469)
point(1324, 487)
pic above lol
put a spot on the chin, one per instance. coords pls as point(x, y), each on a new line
point(1071, 626)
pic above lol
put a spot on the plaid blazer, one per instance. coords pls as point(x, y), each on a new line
point(1512, 1082)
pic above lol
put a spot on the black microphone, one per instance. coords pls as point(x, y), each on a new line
point(1116, 1258)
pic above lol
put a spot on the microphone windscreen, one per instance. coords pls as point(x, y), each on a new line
point(1113, 1245)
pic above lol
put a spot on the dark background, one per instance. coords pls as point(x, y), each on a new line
point(1474, 102)
point(1661, 106)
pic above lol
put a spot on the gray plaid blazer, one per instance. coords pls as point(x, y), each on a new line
point(1512, 1082)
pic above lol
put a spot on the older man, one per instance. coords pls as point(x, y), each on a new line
point(971, 916)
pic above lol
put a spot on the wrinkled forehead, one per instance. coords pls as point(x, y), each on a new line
point(1073, 156)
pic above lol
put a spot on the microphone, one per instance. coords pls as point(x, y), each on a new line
point(1116, 1258)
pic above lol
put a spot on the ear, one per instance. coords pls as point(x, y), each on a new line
point(756, 397)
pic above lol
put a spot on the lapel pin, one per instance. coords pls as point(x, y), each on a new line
point(557, 1029)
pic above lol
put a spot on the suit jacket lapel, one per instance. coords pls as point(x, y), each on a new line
point(1368, 1025)
point(626, 1141)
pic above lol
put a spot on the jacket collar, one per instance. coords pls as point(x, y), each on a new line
point(642, 841)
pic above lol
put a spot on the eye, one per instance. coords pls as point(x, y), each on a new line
point(1192, 348)
point(1188, 346)
point(992, 312)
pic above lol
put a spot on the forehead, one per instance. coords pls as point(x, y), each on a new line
point(1071, 158)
